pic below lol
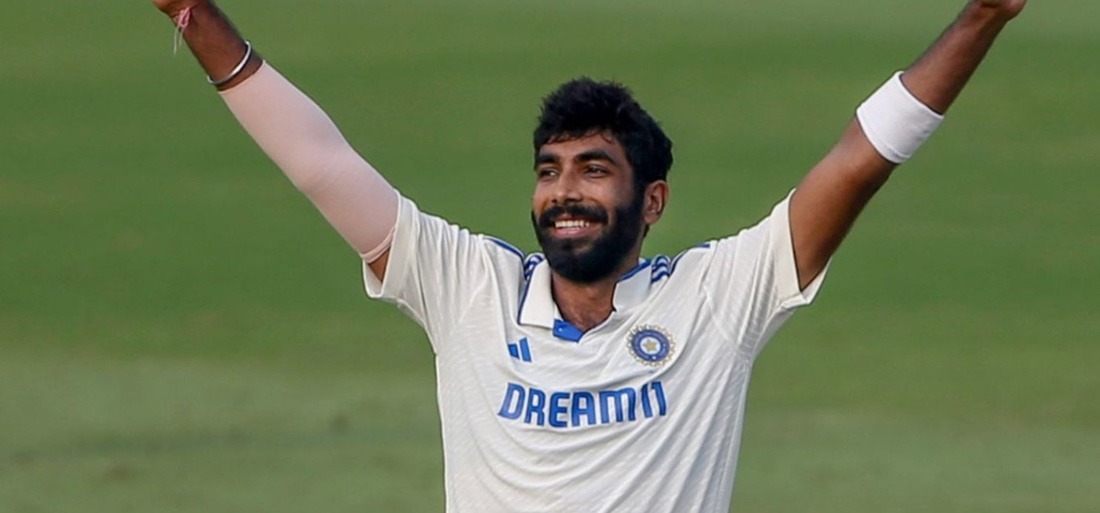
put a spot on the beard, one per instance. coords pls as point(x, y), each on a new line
point(584, 261)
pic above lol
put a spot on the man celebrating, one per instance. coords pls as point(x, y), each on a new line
point(587, 378)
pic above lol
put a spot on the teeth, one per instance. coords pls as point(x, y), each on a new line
point(572, 223)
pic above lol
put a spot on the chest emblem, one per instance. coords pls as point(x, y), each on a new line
point(651, 345)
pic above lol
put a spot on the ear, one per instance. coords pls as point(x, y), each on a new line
point(656, 199)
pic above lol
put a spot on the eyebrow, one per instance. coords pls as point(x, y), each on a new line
point(546, 158)
point(550, 158)
point(597, 155)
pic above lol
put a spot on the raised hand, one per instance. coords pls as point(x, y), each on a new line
point(180, 13)
point(1007, 8)
point(174, 7)
point(225, 57)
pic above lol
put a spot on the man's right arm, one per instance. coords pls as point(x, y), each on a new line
point(293, 131)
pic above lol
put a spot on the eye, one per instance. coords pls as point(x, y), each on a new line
point(596, 170)
point(544, 173)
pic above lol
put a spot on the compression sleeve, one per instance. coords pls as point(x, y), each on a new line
point(301, 139)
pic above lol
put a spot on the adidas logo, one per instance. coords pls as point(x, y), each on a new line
point(520, 350)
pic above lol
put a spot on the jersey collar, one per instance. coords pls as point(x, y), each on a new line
point(537, 308)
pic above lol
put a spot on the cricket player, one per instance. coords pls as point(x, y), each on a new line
point(587, 378)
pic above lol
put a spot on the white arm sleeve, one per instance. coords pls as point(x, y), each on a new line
point(302, 140)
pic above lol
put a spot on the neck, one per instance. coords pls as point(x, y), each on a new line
point(587, 305)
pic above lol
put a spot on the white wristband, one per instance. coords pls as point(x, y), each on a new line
point(895, 121)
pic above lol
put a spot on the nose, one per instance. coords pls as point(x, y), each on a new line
point(567, 188)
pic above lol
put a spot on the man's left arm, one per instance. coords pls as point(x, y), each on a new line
point(831, 196)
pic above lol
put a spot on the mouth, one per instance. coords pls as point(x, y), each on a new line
point(569, 227)
point(572, 221)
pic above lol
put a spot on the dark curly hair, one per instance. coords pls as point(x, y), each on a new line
point(583, 106)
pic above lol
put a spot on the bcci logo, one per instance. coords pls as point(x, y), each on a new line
point(651, 345)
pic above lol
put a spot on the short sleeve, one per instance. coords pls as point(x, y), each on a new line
point(751, 280)
point(432, 266)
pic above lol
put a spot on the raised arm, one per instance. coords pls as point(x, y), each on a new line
point(832, 195)
point(297, 135)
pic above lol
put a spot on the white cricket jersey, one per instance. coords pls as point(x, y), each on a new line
point(640, 414)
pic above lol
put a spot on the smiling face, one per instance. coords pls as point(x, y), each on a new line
point(588, 212)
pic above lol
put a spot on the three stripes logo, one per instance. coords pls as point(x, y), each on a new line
point(520, 350)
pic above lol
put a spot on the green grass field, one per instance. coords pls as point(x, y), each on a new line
point(180, 332)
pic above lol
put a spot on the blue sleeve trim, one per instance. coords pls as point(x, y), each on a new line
point(511, 249)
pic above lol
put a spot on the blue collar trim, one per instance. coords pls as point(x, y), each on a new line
point(566, 331)
point(637, 269)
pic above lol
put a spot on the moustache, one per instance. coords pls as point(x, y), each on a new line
point(575, 211)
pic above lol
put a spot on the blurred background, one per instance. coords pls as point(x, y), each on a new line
point(181, 332)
